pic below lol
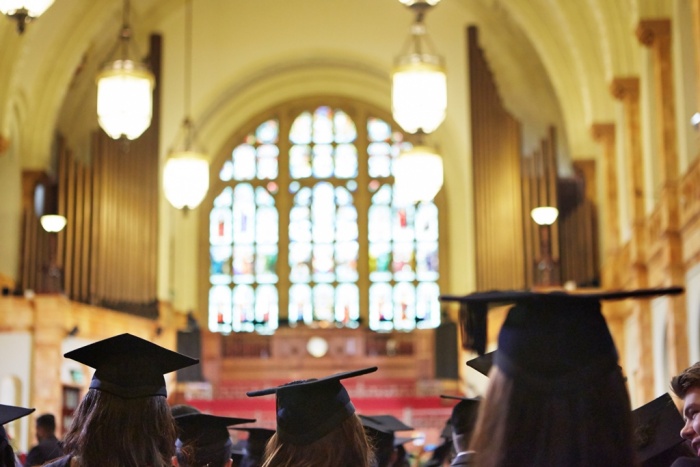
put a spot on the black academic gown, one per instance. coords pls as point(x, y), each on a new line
point(48, 449)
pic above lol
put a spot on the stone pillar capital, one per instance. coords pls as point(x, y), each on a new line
point(625, 88)
point(602, 132)
point(649, 31)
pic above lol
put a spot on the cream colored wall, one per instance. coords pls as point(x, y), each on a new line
point(16, 380)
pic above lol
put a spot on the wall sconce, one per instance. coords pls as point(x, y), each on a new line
point(545, 216)
point(24, 11)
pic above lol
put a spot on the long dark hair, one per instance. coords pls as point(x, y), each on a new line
point(519, 426)
point(7, 455)
point(345, 446)
point(110, 431)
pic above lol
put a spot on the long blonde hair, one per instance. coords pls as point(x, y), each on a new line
point(345, 446)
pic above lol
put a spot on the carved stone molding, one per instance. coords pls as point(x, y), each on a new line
point(625, 88)
point(4, 144)
point(650, 30)
point(602, 132)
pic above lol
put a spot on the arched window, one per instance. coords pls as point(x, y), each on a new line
point(303, 228)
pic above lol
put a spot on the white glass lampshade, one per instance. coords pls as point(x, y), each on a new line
point(419, 93)
point(125, 99)
point(544, 215)
point(32, 8)
point(53, 222)
point(418, 175)
point(186, 179)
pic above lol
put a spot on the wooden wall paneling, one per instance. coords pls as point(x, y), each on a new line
point(96, 219)
point(78, 230)
point(70, 225)
point(526, 181)
point(62, 204)
point(551, 176)
point(86, 235)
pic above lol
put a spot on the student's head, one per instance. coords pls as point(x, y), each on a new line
point(687, 387)
point(45, 426)
point(124, 419)
point(463, 421)
point(556, 394)
point(204, 440)
point(381, 432)
point(254, 446)
point(317, 425)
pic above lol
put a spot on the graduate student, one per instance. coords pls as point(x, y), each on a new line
point(124, 419)
point(556, 393)
point(204, 441)
point(317, 425)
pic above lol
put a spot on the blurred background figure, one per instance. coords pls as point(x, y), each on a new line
point(49, 447)
point(254, 447)
point(686, 387)
point(204, 440)
point(381, 432)
point(9, 413)
point(124, 419)
point(463, 422)
point(317, 425)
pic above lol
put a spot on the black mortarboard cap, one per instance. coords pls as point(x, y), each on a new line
point(464, 414)
point(401, 440)
point(9, 413)
point(384, 423)
point(474, 307)
point(482, 363)
point(204, 429)
point(657, 427)
point(128, 366)
point(310, 409)
point(257, 439)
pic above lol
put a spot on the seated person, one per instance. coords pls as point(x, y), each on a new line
point(463, 421)
point(317, 425)
point(686, 386)
point(381, 431)
point(48, 448)
point(254, 446)
point(204, 440)
point(9, 413)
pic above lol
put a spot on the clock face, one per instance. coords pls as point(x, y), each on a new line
point(39, 199)
point(317, 347)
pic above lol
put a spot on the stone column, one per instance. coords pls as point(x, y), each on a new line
point(604, 133)
point(626, 90)
point(664, 225)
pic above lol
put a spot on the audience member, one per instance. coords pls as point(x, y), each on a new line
point(254, 446)
point(556, 394)
point(204, 440)
point(463, 421)
point(9, 413)
point(48, 448)
point(317, 425)
point(124, 419)
point(381, 432)
point(687, 387)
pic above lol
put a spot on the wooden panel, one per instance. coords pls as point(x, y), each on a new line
point(497, 190)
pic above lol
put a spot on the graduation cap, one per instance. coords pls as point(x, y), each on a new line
point(474, 307)
point(310, 409)
point(9, 413)
point(657, 425)
point(686, 462)
point(464, 414)
point(128, 366)
point(204, 429)
point(482, 363)
point(387, 424)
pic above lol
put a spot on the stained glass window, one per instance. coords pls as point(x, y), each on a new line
point(348, 253)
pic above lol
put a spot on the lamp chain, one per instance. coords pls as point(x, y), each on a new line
point(125, 34)
point(188, 75)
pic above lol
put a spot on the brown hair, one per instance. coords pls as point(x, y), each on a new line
point(111, 431)
point(345, 446)
point(519, 426)
point(690, 378)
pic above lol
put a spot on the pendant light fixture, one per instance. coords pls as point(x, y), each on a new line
point(125, 90)
point(419, 84)
point(418, 175)
point(186, 173)
point(24, 11)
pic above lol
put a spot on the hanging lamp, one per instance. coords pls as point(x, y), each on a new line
point(418, 175)
point(24, 11)
point(419, 83)
point(186, 172)
point(125, 90)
